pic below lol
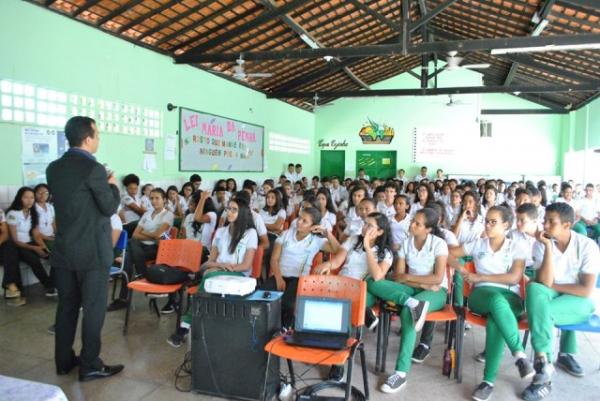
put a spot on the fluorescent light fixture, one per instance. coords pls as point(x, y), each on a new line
point(309, 41)
point(549, 48)
point(328, 58)
point(539, 28)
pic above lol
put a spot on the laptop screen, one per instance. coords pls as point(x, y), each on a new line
point(323, 314)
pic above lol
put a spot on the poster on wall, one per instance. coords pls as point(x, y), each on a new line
point(40, 146)
point(212, 143)
point(431, 145)
point(373, 133)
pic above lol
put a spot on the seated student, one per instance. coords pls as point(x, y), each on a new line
point(23, 226)
point(315, 184)
point(589, 213)
point(387, 206)
point(566, 265)
point(468, 226)
point(292, 257)
point(131, 203)
point(196, 181)
point(45, 210)
point(360, 256)
point(536, 199)
point(338, 192)
point(499, 265)
point(231, 186)
point(145, 199)
point(364, 209)
point(422, 176)
point(9, 257)
point(400, 223)
point(143, 245)
point(357, 193)
point(273, 214)
point(453, 208)
point(186, 192)
point(234, 245)
point(200, 221)
point(249, 186)
point(292, 206)
point(259, 224)
point(419, 285)
point(219, 198)
point(423, 196)
point(175, 203)
point(325, 205)
point(261, 201)
point(490, 197)
point(445, 194)
point(290, 174)
point(378, 194)
point(423, 349)
point(362, 175)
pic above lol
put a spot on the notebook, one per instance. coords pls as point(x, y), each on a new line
point(321, 322)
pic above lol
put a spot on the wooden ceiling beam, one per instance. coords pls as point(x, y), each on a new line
point(146, 16)
point(429, 16)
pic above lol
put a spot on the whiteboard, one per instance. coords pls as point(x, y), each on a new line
point(208, 142)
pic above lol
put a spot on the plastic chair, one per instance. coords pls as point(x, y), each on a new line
point(118, 271)
point(447, 315)
point(180, 253)
point(330, 287)
point(591, 326)
point(478, 320)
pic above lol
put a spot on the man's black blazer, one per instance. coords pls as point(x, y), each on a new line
point(84, 202)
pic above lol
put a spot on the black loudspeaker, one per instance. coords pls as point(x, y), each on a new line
point(228, 340)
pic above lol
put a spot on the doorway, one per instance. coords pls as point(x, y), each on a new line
point(333, 162)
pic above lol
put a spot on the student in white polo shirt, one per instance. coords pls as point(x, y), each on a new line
point(292, 257)
point(175, 203)
point(359, 257)
point(423, 196)
point(566, 265)
point(499, 266)
point(387, 206)
point(422, 176)
point(145, 199)
point(325, 205)
point(419, 285)
point(23, 227)
point(46, 214)
point(143, 245)
point(357, 193)
point(589, 213)
point(9, 257)
point(364, 208)
point(131, 203)
point(400, 223)
point(469, 224)
point(200, 222)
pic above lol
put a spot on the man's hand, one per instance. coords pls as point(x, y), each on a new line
point(112, 180)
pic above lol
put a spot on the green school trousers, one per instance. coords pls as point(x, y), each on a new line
point(502, 308)
point(546, 308)
point(581, 228)
point(399, 293)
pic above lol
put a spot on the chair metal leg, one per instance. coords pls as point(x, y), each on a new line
point(386, 337)
point(154, 306)
point(348, 386)
point(525, 338)
point(264, 392)
point(291, 371)
point(114, 278)
point(460, 330)
point(379, 349)
point(129, 297)
point(363, 363)
point(178, 309)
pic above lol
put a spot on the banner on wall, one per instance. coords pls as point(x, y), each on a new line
point(40, 146)
point(212, 143)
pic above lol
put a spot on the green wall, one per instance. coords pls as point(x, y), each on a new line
point(532, 141)
point(47, 49)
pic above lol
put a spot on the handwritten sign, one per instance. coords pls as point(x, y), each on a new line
point(332, 144)
point(213, 143)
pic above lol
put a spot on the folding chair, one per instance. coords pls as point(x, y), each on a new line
point(118, 271)
point(329, 287)
point(180, 253)
point(447, 315)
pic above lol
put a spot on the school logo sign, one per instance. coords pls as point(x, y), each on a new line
point(373, 133)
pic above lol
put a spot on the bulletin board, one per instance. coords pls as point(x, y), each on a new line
point(40, 146)
point(208, 142)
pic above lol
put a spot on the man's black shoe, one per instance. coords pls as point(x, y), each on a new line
point(74, 363)
point(105, 371)
point(116, 305)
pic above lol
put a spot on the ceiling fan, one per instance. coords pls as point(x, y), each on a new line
point(453, 63)
point(240, 74)
point(315, 104)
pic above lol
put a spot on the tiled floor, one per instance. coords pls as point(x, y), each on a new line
point(26, 351)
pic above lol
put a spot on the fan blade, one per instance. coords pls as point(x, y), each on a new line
point(259, 74)
point(483, 65)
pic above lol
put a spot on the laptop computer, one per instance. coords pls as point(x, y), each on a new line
point(321, 323)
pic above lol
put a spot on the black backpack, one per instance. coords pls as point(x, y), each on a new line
point(163, 274)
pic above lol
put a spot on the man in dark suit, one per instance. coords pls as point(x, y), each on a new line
point(84, 199)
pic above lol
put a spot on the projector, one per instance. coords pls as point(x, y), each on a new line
point(230, 285)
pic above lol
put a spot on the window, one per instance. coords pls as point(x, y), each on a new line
point(288, 144)
point(27, 104)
